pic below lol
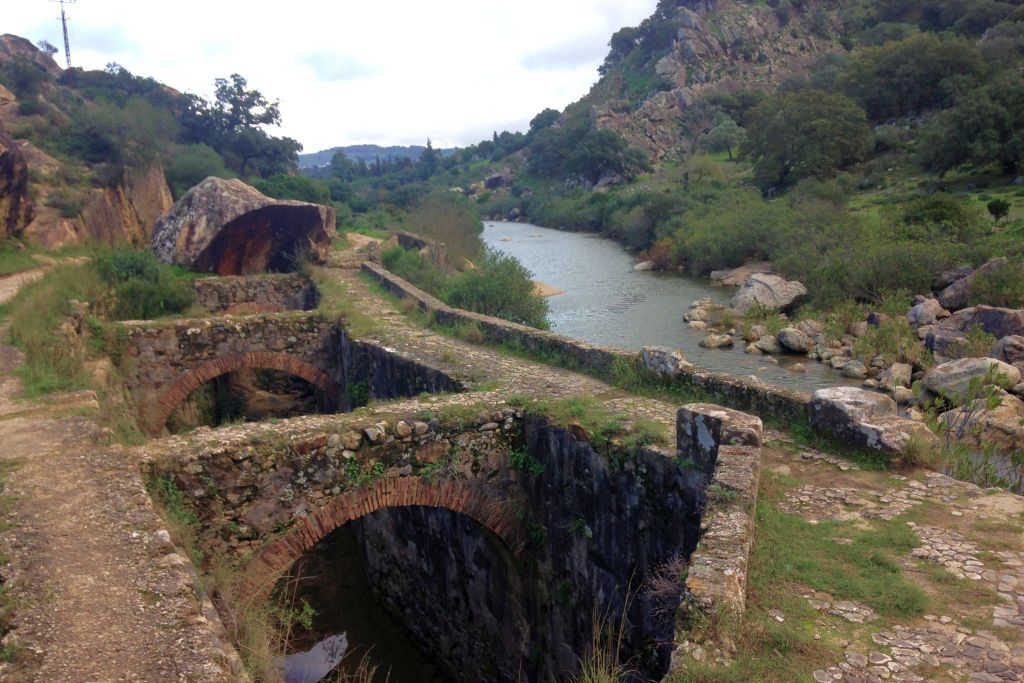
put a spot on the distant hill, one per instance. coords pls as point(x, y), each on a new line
point(356, 153)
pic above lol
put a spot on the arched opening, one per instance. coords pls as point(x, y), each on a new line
point(263, 383)
point(250, 395)
point(385, 592)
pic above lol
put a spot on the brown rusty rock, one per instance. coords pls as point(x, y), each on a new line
point(229, 228)
point(14, 201)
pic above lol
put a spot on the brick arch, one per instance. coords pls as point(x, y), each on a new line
point(252, 360)
point(494, 514)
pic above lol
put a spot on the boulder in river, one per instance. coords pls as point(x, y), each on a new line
point(770, 291)
point(795, 340)
point(716, 341)
point(230, 228)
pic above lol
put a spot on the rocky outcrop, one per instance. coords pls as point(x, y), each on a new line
point(953, 379)
point(958, 294)
point(999, 322)
point(663, 362)
point(229, 228)
point(14, 48)
point(147, 190)
point(1001, 426)
point(735, 277)
point(768, 290)
point(864, 418)
point(704, 311)
point(14, 200)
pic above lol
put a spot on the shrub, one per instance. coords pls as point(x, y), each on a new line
point(66, 201)
point(137, 299)
point(121, 265)
point(188, 165)
point(895, 341)
point(976, 343)
point(450, 220)
point(499, 286)
point(1000, 286)
point(414, 268)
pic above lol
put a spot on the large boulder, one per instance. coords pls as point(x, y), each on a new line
point(958, 295)
point(768, 290)
point(229, 228)
point(863, 418)
point(795, 340)
point(999, 322)
point(1009, 349)
point(928, 312)
point(14, 200)
point(1001, 426)
point(953, 379)
point(704, 311)
point(896, 375)
point(663, 362)
point(16, 48)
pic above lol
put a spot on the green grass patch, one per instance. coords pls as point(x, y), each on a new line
point(335, 300)
point(13, 259)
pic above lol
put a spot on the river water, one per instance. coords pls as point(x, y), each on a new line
point(607, 302)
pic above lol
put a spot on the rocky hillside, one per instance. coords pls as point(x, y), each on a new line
point(55, 203)
point(688, 49)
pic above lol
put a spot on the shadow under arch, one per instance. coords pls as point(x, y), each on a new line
point(252, 360)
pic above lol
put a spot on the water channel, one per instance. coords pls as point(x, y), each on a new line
point(606, 302)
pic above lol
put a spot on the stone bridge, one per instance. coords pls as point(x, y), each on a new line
point(561, 510)
point(164, 362)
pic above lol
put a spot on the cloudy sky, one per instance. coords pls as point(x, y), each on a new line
point(350, 72)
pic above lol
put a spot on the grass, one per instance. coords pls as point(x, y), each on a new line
point(13, 259)
point(790, 556)
point(336, 301)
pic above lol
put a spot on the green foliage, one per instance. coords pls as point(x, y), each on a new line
point(23, 78)
point(188, 165)
point(811, 133)
point(104, 132)
point(1002, 285)
point(998, 209)
point(294, 187)
point(726, 136)
point(976, 343)
point(450, 220)
point(577, 148)
point(523, 460)
point(144, 288)
point(918, 73)
point(65, 200)
point(414, 268)
point(499, 286)
point(14, 257)
point(894, 340)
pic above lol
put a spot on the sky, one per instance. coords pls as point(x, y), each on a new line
point(347, 72)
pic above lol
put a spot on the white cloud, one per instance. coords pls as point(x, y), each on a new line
point(394, 72)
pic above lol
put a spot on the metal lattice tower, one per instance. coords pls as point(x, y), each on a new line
point(64, 24)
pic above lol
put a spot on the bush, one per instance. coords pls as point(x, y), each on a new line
point(448, 219)
point(294, 187)
point(500, 286)
point(66, 201)
point(189, 165)
point(1001, 286)
point(138, 299)
point(414, 268)
point(977, 343)
point(144, 288)
point(895, 341)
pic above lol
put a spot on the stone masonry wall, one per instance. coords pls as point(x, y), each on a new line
point(256, 294)
point(575, 530)
point(157, 354)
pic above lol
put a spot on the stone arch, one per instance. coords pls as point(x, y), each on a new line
point(492, 513)
point(252, 360)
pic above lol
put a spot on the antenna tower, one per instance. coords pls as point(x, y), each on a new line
point(64, 23)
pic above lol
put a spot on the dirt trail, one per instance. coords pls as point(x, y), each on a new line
point(97, 590)
point(10, 284)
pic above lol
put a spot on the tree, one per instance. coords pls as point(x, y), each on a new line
point(428, 162)
point(805, 134)
point(47, 47)
point(341, 167)
point(999, 209)
point(726, 136)
point(232, 125)
point(543, 120)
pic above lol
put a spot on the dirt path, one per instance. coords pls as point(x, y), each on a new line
point(10, 284)
point(97, 591)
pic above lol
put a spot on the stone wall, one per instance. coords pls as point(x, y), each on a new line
point(157, 355)
point(507, 588)
point(256, 294)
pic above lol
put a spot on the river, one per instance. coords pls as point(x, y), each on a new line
point(606, 302)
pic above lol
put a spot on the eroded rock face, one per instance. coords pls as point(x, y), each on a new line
point(14, 201)
point(953, 379)
point(1009, 349)
point(768, 290)
point(864, 418)
point(229, 228)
